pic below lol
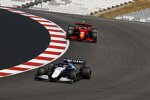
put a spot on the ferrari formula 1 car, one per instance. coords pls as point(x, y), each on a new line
point(65, 70)
point(82, 31)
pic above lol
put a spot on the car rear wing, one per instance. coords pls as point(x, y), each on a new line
point(83, 24)
point(75, 61)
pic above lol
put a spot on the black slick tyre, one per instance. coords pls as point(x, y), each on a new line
point(72, 75)
point(42, 71)
point(86, 73)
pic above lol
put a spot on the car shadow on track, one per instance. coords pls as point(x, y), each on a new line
point(65, 82)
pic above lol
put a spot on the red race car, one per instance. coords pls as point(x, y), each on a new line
point(82, 31)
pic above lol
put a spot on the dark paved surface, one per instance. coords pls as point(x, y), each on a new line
point(120, 62)
point(21, 39)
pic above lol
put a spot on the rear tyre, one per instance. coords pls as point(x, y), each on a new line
point(86, 73)
point(94, 35)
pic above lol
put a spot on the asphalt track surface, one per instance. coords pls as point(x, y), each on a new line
point(120, 63)
point(20, 39)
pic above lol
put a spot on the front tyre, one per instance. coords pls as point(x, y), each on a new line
point(94, 35)
point(41, 71)
point(70, 27)
point(70, 31)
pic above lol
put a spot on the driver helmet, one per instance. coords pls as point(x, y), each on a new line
point(66, 61)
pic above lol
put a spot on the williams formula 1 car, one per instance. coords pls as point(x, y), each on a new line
point(82, 31)
point(66, 71)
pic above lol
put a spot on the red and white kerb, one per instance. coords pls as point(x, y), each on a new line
point(57, 47)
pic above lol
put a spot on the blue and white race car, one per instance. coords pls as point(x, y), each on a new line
point(66, 71)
